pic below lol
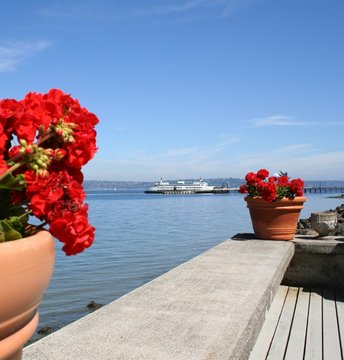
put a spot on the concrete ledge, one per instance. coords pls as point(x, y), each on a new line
point(211, 307)
point(318, 262)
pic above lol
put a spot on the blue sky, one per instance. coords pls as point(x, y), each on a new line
point(189, 88)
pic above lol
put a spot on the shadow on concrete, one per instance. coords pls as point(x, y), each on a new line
point(251, 236)
point(243, 237)
point(323, 238)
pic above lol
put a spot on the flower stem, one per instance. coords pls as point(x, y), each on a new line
point(33, 229)
point(20, 203)
point(25, 214)
point(49, 134)
point(11, 169)
point(39, 227)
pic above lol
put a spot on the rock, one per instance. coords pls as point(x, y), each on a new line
point(309, 232)
point(304, 225)
point(45, 330)
point(339, 230)
point(340, 209)
point(92, 305)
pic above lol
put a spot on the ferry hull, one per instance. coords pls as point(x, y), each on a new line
point(198, 187)
point(176, 192)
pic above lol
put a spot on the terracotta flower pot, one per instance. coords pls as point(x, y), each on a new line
point(26, 266)
point(275, 220)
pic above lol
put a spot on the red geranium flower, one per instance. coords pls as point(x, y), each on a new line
point(243, 189)
point(42, 175)
point(283, 180)
point(73, 229)
point(3, 165)
point(252, 179)
point(271, 188)
point(262, 174)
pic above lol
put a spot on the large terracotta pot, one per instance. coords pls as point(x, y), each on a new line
point(276, 220)
point(26, 266)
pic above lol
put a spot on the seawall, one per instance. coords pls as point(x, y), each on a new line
point(211, 307)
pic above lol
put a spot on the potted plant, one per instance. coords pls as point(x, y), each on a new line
point(45, 139)
point(274, 203)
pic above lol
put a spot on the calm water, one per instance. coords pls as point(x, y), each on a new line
point(139, 237)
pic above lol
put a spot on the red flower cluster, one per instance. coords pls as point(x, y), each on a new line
point(45, 139)
point(271, 188)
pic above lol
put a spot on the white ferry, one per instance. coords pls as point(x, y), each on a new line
point(180, 187)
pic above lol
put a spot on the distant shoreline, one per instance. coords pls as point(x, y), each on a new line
point(233, 182)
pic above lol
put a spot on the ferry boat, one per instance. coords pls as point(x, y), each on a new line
point(180, 187)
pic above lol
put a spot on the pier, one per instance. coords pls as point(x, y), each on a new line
point(323, 189)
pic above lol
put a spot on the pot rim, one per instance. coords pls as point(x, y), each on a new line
point(284, 199)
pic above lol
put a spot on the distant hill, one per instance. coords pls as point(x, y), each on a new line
point(106, 184)
point(232, 182)
point(110, 185)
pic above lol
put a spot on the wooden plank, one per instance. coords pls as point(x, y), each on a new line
point(313, 349)
point(280, 339)
point(331, 344)
point(339, 296)
point(266, 334)
point(297, 336)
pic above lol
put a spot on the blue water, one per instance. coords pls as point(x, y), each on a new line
point(139, 237)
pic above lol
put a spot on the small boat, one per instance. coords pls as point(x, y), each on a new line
point(181, 187)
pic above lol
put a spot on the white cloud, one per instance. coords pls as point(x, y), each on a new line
point(183, 162)
point(233, 6)
point(331, 123)
point(301, 160)
point(258, 160)
point(277, 120)
point(223, 8)
point(225, 141)
point(13, 54)
point(292, 149)
point(119, 128)
point(285, 120)
point(75, 10)
point(175, 8)
point(182, 151)
point(321, 166)
point(141, 166)
point(199, 154)
point(226, 7)
point(84, 9)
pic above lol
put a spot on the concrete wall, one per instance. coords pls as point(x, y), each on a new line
point(210, 308)
point(317, 263)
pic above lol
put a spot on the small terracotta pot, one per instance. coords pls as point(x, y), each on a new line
point(26, 266)
point(276, 220)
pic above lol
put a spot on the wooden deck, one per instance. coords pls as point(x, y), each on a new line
point(302, 324)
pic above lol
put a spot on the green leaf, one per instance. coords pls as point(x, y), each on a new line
point(11, 182)
point(17, 223)
point(8, 231)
